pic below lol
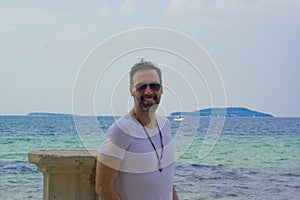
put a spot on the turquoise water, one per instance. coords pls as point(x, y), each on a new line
point(255, 158)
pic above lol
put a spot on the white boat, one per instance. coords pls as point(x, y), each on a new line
point(178, 118)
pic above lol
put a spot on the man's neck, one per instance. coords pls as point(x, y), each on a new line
point(148, 119)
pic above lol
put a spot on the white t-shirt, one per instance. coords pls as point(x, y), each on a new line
point(139, 177)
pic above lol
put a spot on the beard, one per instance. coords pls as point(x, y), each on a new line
point(147, 106)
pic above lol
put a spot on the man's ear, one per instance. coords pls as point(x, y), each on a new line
point(131, 90)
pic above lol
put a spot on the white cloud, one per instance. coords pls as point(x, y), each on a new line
point(127, 6)
point(7, 29)
point(212, 7)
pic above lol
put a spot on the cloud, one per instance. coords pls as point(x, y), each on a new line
point(229, 7)
point(127, 6)
point(7, 28)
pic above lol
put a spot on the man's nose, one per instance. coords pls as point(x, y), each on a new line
point(148, 90)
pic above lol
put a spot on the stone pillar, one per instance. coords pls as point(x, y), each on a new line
point(68, 175)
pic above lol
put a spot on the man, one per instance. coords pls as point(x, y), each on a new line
point(136, 157)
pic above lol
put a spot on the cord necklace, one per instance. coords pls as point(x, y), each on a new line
point(159, 158)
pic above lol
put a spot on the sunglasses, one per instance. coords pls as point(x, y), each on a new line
point(141, 87)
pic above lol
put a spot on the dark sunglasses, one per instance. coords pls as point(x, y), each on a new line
point(143, 86)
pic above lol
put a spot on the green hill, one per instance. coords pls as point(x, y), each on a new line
point(228, 112)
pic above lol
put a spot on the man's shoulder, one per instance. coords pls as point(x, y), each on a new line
point(123, 126)
point(163, 121)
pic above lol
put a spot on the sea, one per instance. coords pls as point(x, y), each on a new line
point(251, 158)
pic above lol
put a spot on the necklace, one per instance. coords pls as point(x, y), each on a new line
point(159, 158)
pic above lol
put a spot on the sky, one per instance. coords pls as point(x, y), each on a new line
point(254, 44)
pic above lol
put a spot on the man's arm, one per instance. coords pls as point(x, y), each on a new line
point(175, 196)
point(106, 175)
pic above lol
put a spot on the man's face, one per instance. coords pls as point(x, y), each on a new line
point(146, 90)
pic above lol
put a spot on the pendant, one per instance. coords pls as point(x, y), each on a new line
point(159, 166)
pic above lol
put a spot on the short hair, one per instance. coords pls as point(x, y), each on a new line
point(144, 65)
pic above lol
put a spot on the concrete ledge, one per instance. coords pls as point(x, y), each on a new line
point(68, 175)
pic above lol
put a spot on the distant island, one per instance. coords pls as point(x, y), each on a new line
point(47, 114)
point(229, 112)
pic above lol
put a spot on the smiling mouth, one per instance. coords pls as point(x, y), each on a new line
point(147, 102)
point(148, 99)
